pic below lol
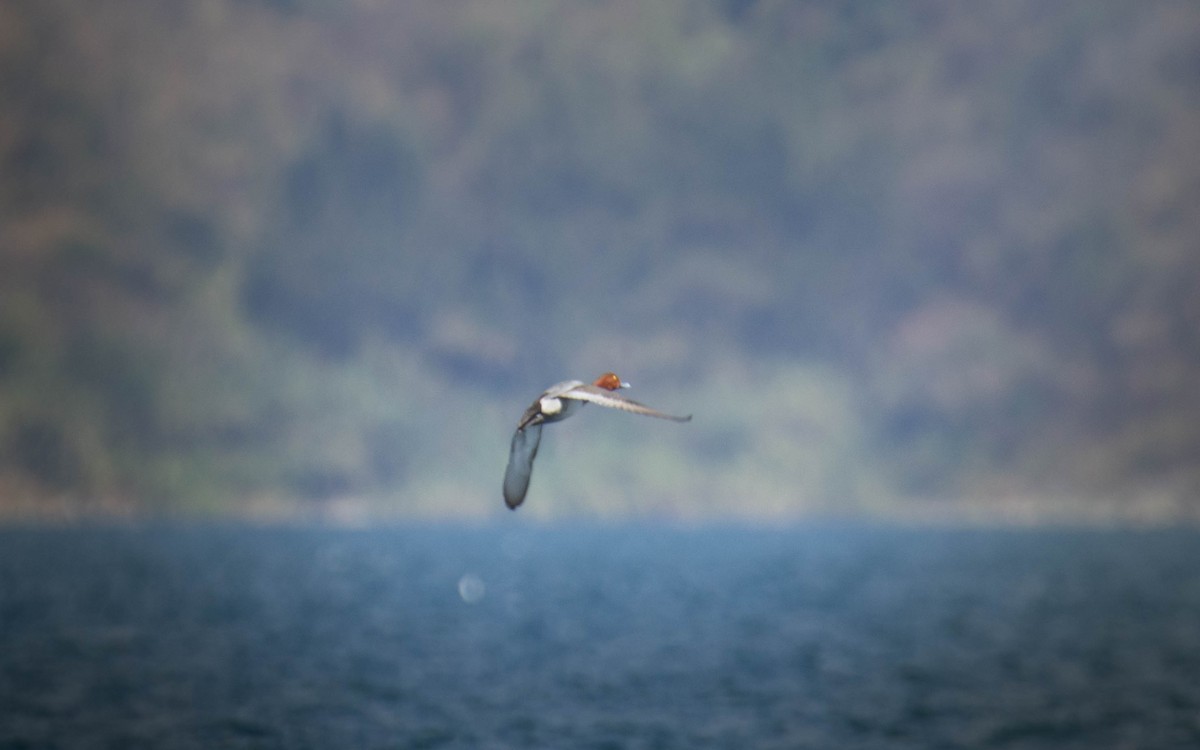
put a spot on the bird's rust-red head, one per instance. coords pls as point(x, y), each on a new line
point(609, 382)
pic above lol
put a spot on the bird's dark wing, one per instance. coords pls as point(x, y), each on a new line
point(532, 415)
point(520, 464)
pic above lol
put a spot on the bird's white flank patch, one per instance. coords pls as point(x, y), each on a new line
point(551, 406)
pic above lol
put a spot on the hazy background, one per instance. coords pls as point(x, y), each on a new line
point(297, 257)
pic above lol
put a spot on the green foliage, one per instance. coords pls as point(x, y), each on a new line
point(288, 257)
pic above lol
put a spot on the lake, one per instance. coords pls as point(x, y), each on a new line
point(641, 636)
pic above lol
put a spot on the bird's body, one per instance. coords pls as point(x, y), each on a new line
point(556, 403)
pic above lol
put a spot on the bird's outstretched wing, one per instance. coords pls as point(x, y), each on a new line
point(592, 394)
point(520, 464)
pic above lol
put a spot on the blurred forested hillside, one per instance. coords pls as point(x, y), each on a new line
point(276, 256)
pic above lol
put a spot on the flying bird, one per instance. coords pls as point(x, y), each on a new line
point(556, 403)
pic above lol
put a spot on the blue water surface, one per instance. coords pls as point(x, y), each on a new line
point(513, 636)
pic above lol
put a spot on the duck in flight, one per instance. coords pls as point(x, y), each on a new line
point(556, 403)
